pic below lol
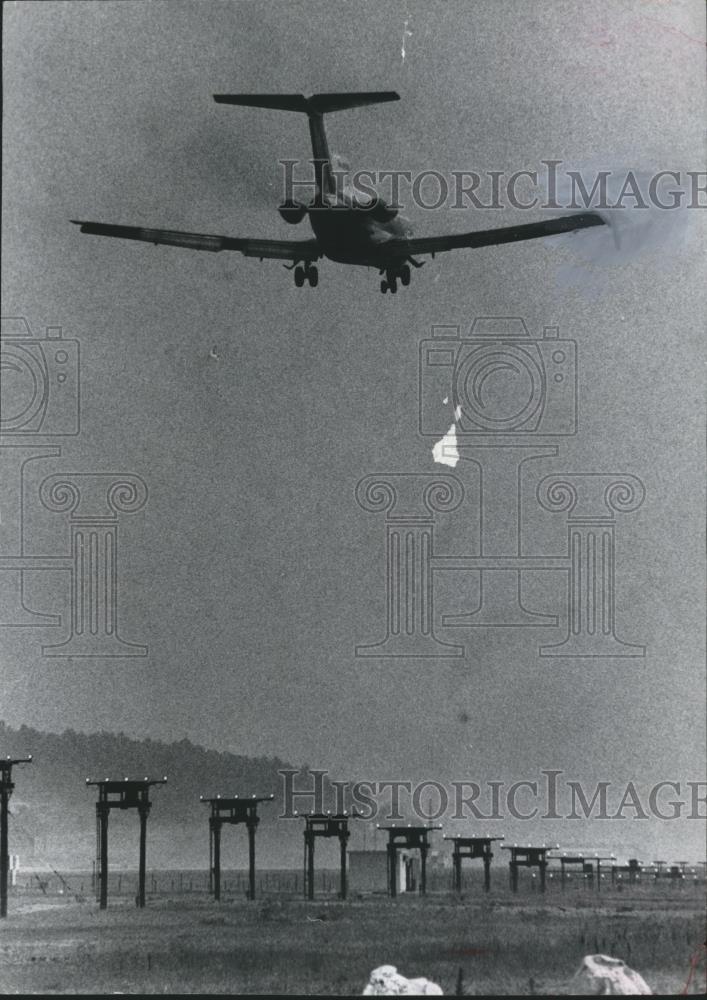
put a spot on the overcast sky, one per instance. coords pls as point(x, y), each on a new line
point(252, 408)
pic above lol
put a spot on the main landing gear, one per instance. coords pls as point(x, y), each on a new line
point(308, 273)
point(390, 282)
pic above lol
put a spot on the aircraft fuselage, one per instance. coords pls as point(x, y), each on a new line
point(350, 227)
point(353, 235)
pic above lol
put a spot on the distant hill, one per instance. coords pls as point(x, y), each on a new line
point(53, 812)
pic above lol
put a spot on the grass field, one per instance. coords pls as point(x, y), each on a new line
point(527, 944)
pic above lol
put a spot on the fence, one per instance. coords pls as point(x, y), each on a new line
point(166, 883)
point(287, 882)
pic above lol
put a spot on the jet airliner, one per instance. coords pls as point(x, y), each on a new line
point(349, 227)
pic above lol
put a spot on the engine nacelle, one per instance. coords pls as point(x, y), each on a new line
point(292, 212)
point(376, 207)
point(382, 212)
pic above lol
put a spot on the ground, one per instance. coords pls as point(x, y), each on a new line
point(502, 944)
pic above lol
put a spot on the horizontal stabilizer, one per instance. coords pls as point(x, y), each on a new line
point(318, 104)
point(322, 103)
point(284, 102)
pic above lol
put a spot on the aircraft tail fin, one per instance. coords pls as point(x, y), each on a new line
point(318, 104)
point(314, 107)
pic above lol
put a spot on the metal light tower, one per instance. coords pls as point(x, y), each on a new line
point(566, 859)
point(6, 787)
point(472, 848)
point(659, 866)
point(408, 838)
point(325, 825)
point(597, 859)
point(527, 856)
point(126, 794)
point(233, 810)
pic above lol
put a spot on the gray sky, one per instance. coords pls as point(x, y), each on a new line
point(251, 574)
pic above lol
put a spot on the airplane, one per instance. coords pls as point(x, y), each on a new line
point(349, 227)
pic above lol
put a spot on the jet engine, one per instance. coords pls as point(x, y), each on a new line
point(292, 212)
point(382, 212)
point(377, 208)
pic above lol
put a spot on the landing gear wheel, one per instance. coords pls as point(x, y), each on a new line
point(393, 283)
point(299, 276)
point(313, 276)
point(384, 286)
point(405, 274)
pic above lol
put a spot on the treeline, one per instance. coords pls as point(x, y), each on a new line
point(53, 810)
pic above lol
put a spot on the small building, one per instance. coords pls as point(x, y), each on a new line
point(368, 871)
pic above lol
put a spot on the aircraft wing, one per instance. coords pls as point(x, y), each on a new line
point(491, 237)
point(294, 250)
